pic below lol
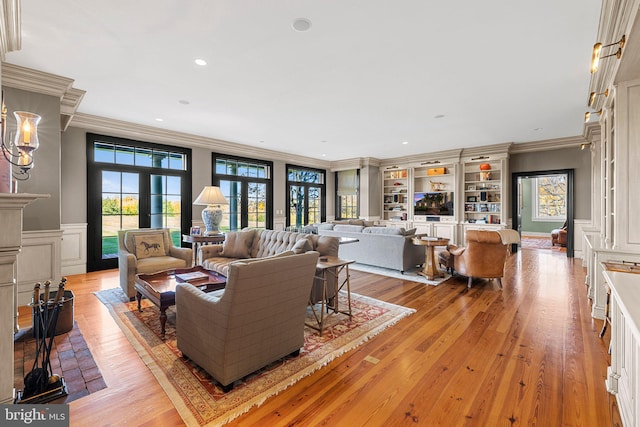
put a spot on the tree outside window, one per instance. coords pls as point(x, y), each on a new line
point(550, 198)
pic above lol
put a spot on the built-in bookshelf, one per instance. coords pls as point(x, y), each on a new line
point(434, 190)
point(395, 194)
point(483, 191)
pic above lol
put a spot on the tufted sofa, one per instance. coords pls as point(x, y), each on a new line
point(255, 243)
point(388, 247)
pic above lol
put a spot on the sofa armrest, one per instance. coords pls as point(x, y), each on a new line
point(185, 254)
point(454, 250)
point(208, 251)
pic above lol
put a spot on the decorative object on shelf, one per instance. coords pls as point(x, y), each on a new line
point(485, 176)
point(436, 171)
point(485, 167)
point(212, 197)
point(437, 186)
point(472, 199)
point(17, 159)
point(597, 50)
point(471, 188)
point(195, 231)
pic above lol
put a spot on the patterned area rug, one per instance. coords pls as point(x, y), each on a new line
point(412, 275)
point(198, 399)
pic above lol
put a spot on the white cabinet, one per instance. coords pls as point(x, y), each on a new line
point(623, 375)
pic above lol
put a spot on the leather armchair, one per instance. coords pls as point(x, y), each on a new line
point(256, 319)
point(559, 236)
point(483, 257)
point(147, 250)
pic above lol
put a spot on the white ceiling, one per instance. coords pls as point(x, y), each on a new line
point(367, 76)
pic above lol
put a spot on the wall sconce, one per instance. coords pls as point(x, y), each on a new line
point(597, 49)
point(19, 152)
point(592, 97)
point(587, 115)
point(585, 145)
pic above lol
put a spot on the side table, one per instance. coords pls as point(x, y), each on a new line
point(331, 266)
point(198, 241)
point(430, 270)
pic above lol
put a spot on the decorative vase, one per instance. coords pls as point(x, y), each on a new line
point(485, 167)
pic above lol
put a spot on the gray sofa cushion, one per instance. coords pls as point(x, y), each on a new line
point(237, 244)
point(393, 231)
point(302, 246)
point(349, 228)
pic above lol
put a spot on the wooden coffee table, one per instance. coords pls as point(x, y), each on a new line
point(160, 288)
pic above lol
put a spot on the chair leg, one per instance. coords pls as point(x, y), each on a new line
point(499, 279)
point(469, 282)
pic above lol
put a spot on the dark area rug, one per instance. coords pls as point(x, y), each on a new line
point(70, 357)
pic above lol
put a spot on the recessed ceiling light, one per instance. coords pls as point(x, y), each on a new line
point(159, 120)
point(537, 129)
point(439, 116)
point(301, 24)
point(184, 102)
point(405, 142)
point(324, 155)
point(261, 141)
point(201, 62)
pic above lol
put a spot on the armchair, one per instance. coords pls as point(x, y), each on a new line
point(256, 319)
point(484, 256)
point(147, 250)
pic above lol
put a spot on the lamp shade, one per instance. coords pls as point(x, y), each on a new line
point(211, 196)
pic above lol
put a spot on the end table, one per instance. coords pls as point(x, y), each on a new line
point(197, 241)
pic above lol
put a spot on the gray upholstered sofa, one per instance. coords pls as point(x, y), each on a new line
point(256, 243)
point(256, 319)
point(387, 247)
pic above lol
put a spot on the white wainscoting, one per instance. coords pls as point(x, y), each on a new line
point(38, 261)
point(74, 249)
point(578, 241)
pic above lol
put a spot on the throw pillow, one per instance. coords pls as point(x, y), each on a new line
point(302, 246)
point(149, 245)
point(410, 232)
point(237, 244)
point(348, 228)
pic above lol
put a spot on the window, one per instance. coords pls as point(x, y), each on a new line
point(347, 194)
point(305, 196)
point(247, 185)
point(550, 198)
point(133, 184)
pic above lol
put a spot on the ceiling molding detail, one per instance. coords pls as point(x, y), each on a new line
point(592, 132)
point(47, 84)
point(124, 129)
point(547, 145)
point(358, 163)
point(447, 156)
point(494, 149)
point(10, 33)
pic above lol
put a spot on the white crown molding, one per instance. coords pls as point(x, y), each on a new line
point(10, 33)
point(495, 149)
point(548, 145)
point(357, 163)
point(592, 132)
point(447, 156)
point(124, 129)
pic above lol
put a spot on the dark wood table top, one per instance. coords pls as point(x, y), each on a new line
point(161, 287)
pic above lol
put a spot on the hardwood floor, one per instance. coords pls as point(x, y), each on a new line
point(528, 354)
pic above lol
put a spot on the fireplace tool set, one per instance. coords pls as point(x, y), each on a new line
point(41, 385)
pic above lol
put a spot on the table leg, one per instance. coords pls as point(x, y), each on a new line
point(430, 270)
point(139, 298)
point(163, 320)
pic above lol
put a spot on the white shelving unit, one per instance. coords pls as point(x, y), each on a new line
point(484, 185)
point(395, 195)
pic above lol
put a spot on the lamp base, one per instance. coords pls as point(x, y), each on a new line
point(211, 216)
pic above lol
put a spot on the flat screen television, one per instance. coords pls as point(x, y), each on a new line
point(437, 204)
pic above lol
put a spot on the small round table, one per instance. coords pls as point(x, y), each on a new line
point(197, 241)
point(429, 269)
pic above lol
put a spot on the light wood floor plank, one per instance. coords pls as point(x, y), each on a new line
point(528, 354)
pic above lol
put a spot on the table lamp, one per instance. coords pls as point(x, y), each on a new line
point(211, 215)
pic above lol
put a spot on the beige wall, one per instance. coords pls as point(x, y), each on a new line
point(567, 158)
point(45, 175)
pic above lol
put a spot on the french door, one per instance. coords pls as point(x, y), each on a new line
point(129, 187)
point(305, 196)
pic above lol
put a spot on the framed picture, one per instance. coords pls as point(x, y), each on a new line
point(195, 231)
point(471, 188)
point(472, 199)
